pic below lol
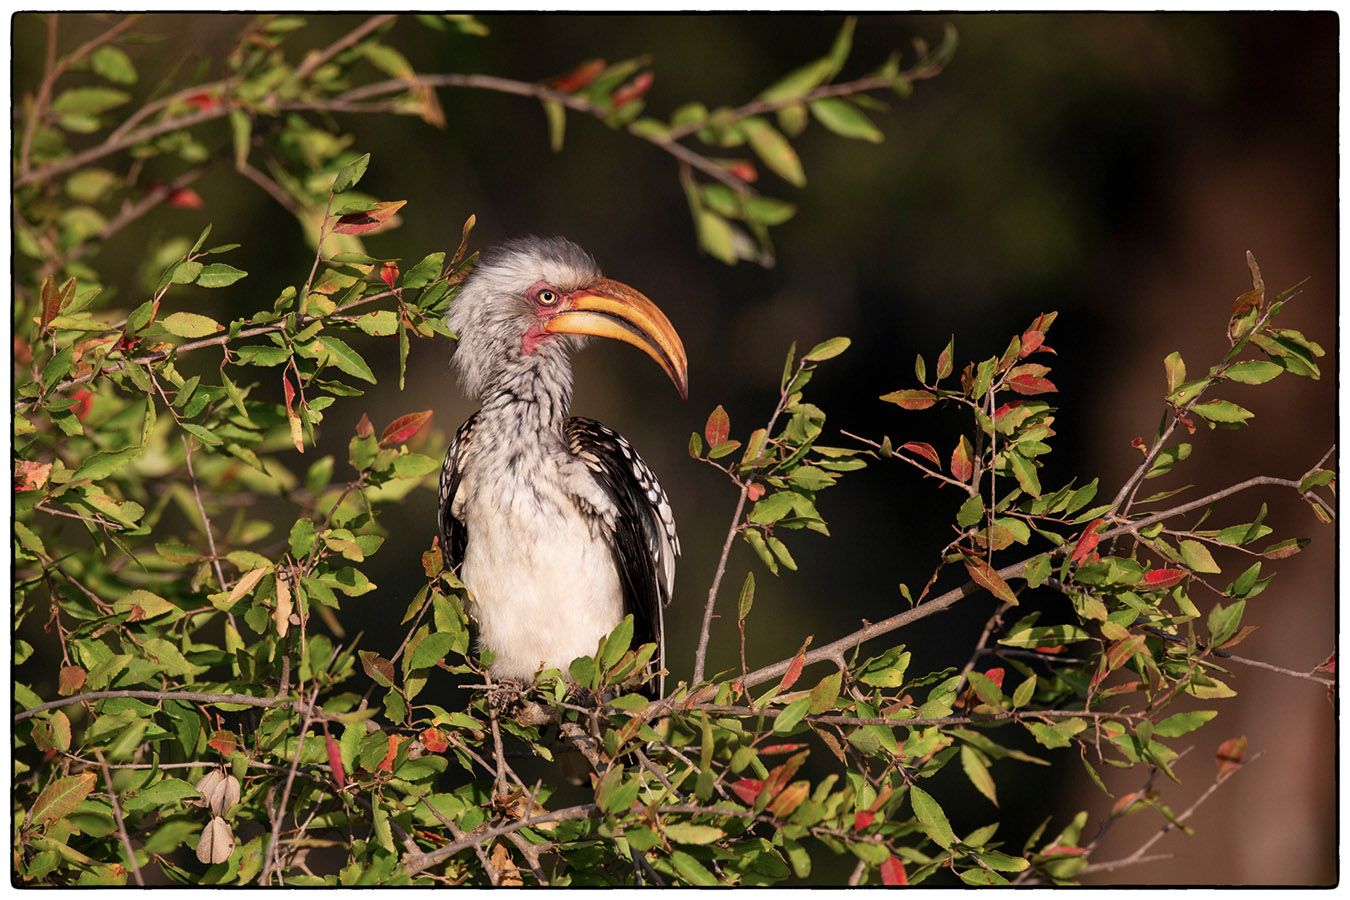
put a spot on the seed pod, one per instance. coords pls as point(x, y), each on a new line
point(216, 843)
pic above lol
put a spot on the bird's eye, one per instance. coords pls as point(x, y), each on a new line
point(547, 298)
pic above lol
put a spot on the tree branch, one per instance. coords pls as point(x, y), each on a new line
point(117, 817)
point(186, 696)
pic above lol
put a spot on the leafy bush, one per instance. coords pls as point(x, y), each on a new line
point(210, 721)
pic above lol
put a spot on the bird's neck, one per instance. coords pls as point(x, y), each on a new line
point(532, 393)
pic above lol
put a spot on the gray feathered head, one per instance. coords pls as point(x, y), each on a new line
point(532, 300)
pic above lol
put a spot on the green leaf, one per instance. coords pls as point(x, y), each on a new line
point(715, 236)
point(827, 349)
point(89, 101)
point(350, 174)
point(931, 817)
point(1253, 372)
point(431, 650)
point(422, 273)
point(692, 871)
point(791, 715)
point(747, 598)
point(1222, 411)
point(190, 325)
point(799, 81)
point(689, 833)
point(218, 275)
point(774, 149)
point(557, 124)
point(1183, 723)
point(971, 511)
point(845, 119)
point(1223, 621)
point(347, 359)
point(978, 773)
point(60, 798)
point(101, 465)
point(113, 64)
point(1197, 558)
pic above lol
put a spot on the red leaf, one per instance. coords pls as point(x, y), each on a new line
point(335, 761)
point(1230, 754)
point(1327, 665)
point(185, 198)
point(202, 101)
point(70, 680)
point(1030, 384)
point(1164, 578)
point(1051, 650)
point(84, 401)
point(862, 819)
point(389, 273)
point(924, 450)
point(747, 789)
point(1138, 444)
point(30, 476)
point(363, 427)
point(995, 675)
point(718, 427)
point(223, 742)
point(1031, 341)
point(1087, 542)
point(794, 669)
point(371, 219)
point(776, 749)
point(579, 77)
point(754, 491)
point(893, 872)
point(387, 765)
point(744, 170)
point(404, 427)
point(632, 90)
point(434, 740)
point(962, 468)
point(984, 575)
point(911, 399)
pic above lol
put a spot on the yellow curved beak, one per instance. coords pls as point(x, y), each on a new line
point(612, 309)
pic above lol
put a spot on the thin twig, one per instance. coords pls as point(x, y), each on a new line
point(201, 510)
point(187, 696)
point(117, 817)
point(272, 857)
point(414, 864)
point(317, 58)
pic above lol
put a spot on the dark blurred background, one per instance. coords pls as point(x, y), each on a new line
point(1113, 167)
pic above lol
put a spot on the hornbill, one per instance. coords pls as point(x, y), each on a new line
point(556, 526)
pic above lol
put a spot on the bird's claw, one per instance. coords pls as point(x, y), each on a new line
point(503, 697)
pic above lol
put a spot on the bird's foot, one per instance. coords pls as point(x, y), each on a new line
point(505, 696)
point(582, 696)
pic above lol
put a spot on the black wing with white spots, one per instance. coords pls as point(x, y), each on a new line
point(644, 543)
point(454, 535)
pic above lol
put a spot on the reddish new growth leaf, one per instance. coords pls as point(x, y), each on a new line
point(364, 428)
point(404, 427)
point(30, 476)
point(911, 399)
point(862, 819)
point(1230, 755)
point(718, 427)
point(754, 490)
point(794, 670)
point(223, 742)
point(1327, 665)
point(389, 272)
point(893, 872)
point(984, 575)
point(387, 764)
point(579, 77)
point(1033, 338)
point(1138, 444)
point(433, 560)
point(70, 680)
point(185, 198)
point(924, 450)
point(1164, 578)
point(1029, 379)
point(335, 761)
point(744, 170)
point(1087, 542)
point(434, 740)
point(995, 675)
point(779, 749)
point(369, 220)
point(962, 467)
point(633, 90)
point(203, 101)
point(84, 401)
point(747, 789)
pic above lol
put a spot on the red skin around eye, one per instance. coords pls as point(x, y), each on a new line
point(536, 335)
